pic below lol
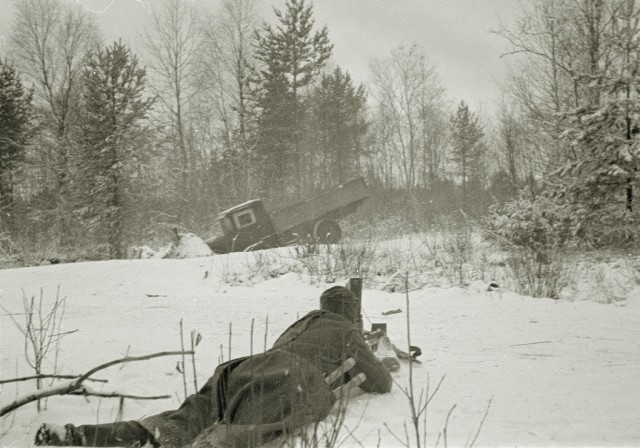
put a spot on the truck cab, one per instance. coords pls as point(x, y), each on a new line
point(245, 226)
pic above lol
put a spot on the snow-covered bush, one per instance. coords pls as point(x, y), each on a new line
point(536, 233)
point(537, 224)
point(539, 274)
point(547, 223)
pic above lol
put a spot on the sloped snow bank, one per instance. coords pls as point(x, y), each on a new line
point(559, 373)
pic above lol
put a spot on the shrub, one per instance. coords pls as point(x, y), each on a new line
point(537, 224)
point(536, 232)
point(346, 259)
point(539, 274)
point(452, 250)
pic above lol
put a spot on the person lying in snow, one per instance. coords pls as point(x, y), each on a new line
point(254, 399)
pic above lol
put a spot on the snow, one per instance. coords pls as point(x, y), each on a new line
point(187, 245)
point(557, 373)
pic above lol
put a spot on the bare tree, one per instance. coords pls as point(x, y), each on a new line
point(563, 50)
point(510, 143)
point(173, 39)
point(228, 66)
point(408, 94)
point(435, 140)
point(379, 159)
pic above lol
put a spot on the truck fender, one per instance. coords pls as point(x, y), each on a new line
point(327, 231)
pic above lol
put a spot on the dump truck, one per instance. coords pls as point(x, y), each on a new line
point(250, 226)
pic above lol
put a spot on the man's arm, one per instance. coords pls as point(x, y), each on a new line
point(378, 377)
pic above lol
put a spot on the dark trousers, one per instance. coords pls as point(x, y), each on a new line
point(246, 402)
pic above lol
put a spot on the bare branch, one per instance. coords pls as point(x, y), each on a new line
point(43, 376)
point(73, 386)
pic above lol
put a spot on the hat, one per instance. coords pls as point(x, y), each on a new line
point(340, 300)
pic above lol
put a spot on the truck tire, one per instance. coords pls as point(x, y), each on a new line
point(327, 231)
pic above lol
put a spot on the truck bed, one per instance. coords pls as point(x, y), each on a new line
point(334, 203)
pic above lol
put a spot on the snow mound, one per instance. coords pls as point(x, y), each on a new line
point(189, 245)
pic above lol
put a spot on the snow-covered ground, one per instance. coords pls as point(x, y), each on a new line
point(557, 373)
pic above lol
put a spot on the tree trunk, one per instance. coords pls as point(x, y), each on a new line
point(629, 203)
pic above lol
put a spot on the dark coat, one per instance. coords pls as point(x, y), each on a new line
point(253, 399)
point(326, 339)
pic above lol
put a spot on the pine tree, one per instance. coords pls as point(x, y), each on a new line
point(337, 124)
point(292, 55)
point(467, 148)
point(113, 133)
point(16, 124)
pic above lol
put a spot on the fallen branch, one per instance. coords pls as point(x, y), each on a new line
point(89, 393)
point(76, 384)
point(529, 343)
point(44, 375)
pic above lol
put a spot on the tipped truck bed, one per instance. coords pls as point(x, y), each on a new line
point(333, 204)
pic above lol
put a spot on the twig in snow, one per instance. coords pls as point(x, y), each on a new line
point(266, 332)
point(195, 340)
point(126, 354)
point(182, 370)
point(486, 412)
point(530, 343)
point(230, 333)
point(446, 425)
point(394, 434)
point(251, 337)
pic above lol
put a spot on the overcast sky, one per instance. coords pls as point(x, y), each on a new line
point(455, 34)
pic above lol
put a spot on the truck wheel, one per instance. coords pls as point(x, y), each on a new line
point(327, 231)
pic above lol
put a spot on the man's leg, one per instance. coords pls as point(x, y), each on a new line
point(197, 412)
point(267, 395)
point(170, 428)
point(126, 434)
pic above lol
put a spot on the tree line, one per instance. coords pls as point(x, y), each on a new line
point(101, 148)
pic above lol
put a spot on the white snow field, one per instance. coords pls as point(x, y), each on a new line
point(557, 373)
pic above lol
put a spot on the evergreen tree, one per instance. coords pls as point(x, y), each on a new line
point(16, 116)
point(598, 178)
point(292, 55)
point(113, 133)
point(580, 92)
point(337, 124)
point(467, 148)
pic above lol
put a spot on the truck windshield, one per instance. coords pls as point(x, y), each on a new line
point(225, 224)
point(216, 230)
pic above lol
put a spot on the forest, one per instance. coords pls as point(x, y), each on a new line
point(102, 149)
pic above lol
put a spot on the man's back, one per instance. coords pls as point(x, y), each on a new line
point(326, 340)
